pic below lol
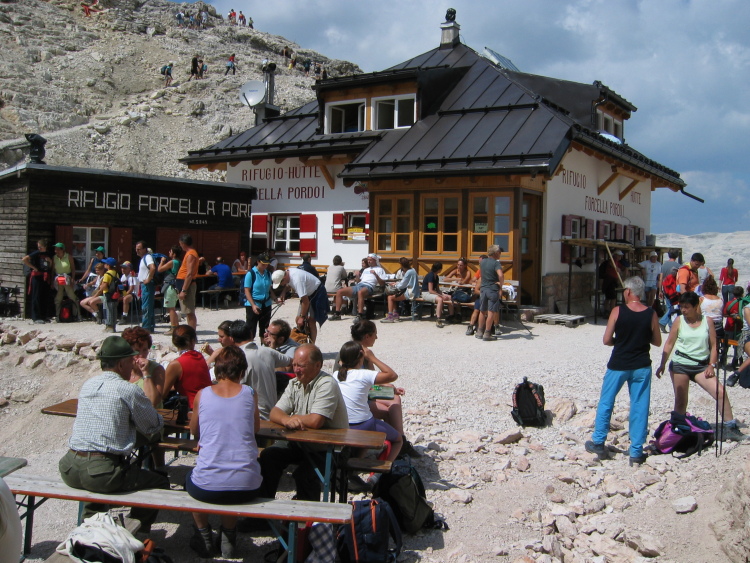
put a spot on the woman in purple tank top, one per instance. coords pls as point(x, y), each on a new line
point(225, 417)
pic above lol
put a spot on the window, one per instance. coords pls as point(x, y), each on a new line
point(392, 113)
point(440, 224)
point(85, 240)
point(345, 118)
point(490, 223)
point(286, 233)
point(351, 226)
point(394, 216)
point(618, 129)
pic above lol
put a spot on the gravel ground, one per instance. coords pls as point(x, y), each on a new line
point(457, 404)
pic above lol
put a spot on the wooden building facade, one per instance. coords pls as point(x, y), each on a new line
point(87, 208)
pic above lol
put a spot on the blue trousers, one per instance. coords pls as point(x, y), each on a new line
point(666, 320)
point(147, 303)
point(639, 387)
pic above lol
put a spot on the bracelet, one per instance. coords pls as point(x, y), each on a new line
point(146, 376)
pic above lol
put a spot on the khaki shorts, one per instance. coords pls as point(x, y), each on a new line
point(187, 305)
point(170, 297)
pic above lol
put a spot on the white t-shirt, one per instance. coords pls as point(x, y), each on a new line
point(302, 282)
point(367, 276)
point(143, 270)
point(355, 390)
point(653, 269)
point(131, 280)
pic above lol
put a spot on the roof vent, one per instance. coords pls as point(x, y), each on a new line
point(449, 36)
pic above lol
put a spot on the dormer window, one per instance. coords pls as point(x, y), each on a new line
point(347, 117)
point(393, 112)
point(607, 124)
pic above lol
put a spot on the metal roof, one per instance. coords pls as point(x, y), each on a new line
point(475, 117)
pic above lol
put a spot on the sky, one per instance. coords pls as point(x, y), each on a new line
point(684, 64)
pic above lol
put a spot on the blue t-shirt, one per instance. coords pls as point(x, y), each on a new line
point(224, 274)
point(261, 289)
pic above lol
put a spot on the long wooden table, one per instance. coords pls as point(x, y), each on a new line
point(10, 464)
point(332, 439)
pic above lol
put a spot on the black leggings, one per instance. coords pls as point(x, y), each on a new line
point(260, 321)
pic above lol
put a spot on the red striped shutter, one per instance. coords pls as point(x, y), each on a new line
point(567, 229)
point(338, 226)
point(308, 232)
point(367, 226)
point(259, 227)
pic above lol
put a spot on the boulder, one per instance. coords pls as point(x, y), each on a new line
point(508, 437)
point(59, 361)
point(22, 396)
point(8, 338)
point(685, 505)
point(66, 344)
point(646, 545)
point(460, 496)
point(34, 360)
point(562, 409)
point(33, 346)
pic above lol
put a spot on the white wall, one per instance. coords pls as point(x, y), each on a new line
point(293, 187)
point(575, 192)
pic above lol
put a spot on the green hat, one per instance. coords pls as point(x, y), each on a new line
point(99, 249)
point(114, 348)
point(60, 245)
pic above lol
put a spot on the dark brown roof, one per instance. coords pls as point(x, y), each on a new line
point(476, 117)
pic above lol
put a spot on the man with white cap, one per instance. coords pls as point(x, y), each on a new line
point(651, 273)
point(313, 299)
point(112, 415)
point(370, 277)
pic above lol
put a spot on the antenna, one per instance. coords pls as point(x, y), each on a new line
point(252, 93)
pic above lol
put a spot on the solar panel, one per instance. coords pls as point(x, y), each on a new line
point(500, 60)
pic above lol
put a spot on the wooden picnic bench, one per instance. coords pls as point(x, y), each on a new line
point(214, 296)
point(34, 487)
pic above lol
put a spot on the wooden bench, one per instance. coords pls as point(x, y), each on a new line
point(214, 296)
point(291, 511)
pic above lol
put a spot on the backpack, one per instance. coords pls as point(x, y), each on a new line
point(403, 490)
point(164, 70)
point(366, 538)
point(682, 433)
point(66, 311)
point(243, 297)
point(528, 404)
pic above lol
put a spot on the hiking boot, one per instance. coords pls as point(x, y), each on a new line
point(202, 542)
point(439, 323)
point(335, 317)
point(470, 330)
point(358, 317)
point(489, 337)
point(358, 485)
point(498, 331)
point(388, 319)
point(636, 460)
point(479, 334)
point(599, 449)
point(225, 542)
point(733, 379)
point(663, 328)
point(733, 434)
point(408, 449)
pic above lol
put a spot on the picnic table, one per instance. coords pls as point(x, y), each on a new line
point(334, 439)
point(10, 464)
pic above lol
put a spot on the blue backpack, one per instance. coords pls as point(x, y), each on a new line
point(366, 538)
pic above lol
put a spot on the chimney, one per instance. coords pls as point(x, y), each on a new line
point(449, 36)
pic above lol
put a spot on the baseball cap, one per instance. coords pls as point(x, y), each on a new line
point(60, 245)
point(115, 347)
point(277, 277)
point(126, 263)
point(618, 252)
point(653, 253)
point(264, 258)
point(99, 249)
point(110, 261)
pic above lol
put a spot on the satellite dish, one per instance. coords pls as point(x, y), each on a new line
point(252, 93)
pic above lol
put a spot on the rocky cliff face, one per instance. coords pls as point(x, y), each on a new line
point(92, 87)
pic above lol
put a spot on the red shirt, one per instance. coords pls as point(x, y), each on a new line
point(194, 377)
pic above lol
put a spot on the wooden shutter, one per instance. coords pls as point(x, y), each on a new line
point(567, 229)
point(618, 231)
point(600, 229)
point(308, 232)
point(367, 226)
point(259, 226)
point(64, 234)
point(338, 227)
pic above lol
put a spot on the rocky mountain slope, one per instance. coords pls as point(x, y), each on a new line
point(91, 85)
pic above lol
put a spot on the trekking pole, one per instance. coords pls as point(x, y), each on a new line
point(724, 383)
point(273, 311)
point(716, 418)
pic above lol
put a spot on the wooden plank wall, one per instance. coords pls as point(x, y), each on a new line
point(13, 235)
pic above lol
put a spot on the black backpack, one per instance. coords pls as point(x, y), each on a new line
point(528, 404)
point(403, 489)
point(66, 311)
point(366, 538)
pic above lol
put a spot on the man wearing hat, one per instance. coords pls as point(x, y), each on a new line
point(111, 412)
point(371, 276)
point(62, 281)
point(651, 273)
point(313, 299)
point(98, 257)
